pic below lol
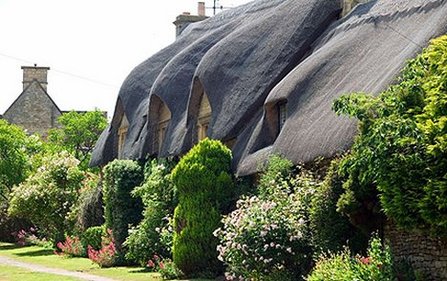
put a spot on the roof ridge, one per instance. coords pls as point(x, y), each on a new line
point(353, 20)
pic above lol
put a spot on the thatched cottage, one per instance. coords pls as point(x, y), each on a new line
point(262, 78)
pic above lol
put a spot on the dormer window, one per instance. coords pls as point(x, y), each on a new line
point(122, 133)
point(282, 115)
point(204, 118)
point(164, 118)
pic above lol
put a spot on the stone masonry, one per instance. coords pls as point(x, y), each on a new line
point(427, 255)
point(34, 110)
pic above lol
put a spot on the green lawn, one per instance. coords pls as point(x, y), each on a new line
point(45, 257)
point(10, 273)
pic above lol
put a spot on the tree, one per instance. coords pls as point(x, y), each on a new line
point(15, 151)
point(79, 133)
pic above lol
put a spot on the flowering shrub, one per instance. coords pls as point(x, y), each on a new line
point(377, 265)
point(107, 255)
point(24, 238)
point(45, 198)
point(166, 267)
point(268, 236)
point(71, 247)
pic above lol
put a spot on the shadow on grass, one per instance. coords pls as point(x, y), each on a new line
point(9, 247)
point(36, 253)
point(139, 270)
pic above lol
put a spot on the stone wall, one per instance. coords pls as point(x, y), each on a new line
point(34, 111)
point(426, 254)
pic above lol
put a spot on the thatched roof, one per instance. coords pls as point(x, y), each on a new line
point(253, 57)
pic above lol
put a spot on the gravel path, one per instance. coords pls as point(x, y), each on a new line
point(38, 268)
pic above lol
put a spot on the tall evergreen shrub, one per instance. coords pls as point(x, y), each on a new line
point(121, 209)
point(204, 185)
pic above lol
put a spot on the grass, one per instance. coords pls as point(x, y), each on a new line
point(45, 257)
point(10, 273)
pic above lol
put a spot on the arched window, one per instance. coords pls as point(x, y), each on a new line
point(122, 132)
point(164, 116)
point(282, 114)
point(204, 117)
point(199, 113)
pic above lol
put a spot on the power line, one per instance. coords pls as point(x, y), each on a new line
point(63, 72)
point(403, 35)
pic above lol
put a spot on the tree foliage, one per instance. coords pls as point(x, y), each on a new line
point(402, 146)
point(46, 197)
point(159, 198)
point(16, 149)
point(79, 133)
point(330, 229)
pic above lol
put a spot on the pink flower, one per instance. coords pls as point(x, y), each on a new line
point(365, 260)
point(150, 264)
point(161, 265)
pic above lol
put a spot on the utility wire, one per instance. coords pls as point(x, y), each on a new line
point(63, 72)
point(403, 35)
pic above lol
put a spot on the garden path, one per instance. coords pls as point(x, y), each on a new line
point(38, 268)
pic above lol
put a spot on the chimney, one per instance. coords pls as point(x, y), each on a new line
point(201, 9)
point(38, 73)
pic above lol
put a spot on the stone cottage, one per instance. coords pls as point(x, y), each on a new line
point(34, 109)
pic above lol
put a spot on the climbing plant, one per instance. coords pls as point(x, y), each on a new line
point(400, 154)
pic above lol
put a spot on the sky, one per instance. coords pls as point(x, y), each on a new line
point(90, 45)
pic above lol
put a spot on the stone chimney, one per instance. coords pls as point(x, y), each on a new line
point(185, 19)
point(348, 5)
point(38, 73)
point(201, 9)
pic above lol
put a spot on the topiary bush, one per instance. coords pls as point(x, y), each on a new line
point(330, 229)
point(159, 198)
point(267, 237)
point(121, 208)
point(92, 237)
point(204, 185)
point(402, 145)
